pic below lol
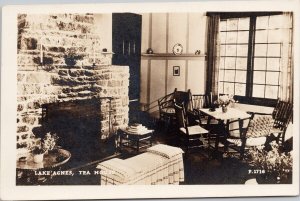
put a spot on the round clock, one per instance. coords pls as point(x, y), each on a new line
point(177, 49)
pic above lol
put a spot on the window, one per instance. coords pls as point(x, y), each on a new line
point(250, 57)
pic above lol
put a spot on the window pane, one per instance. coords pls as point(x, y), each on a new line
point(273, 64)
point(241, 76)
point(231, 37)
point(259, 77)
point(261, 36)
point(242, 50)
point(222, 50)
point(258, 91)
point(244, 23)
point(230, 50)
point(228, 88)
point(229, 75)
point(260, 63)
point(271, 92)
point(243, 37)
point(220, 86)
point(223, 37)
point(241, 63)
point(275, 36)
point(222, 60)
point(275, 21)
point(221, 75)
point(262, 22)
point(232, 24)
point(274, 50)
point(223, 24)
point(260, 50)
point(240, 89)
point(230, 63)
point(272, 78)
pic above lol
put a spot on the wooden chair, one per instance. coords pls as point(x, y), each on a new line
point(193, 135)
point(166, 105)
point(282, 115)
point(245, 133)
point(200, 101)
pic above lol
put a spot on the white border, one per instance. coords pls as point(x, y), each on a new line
point(8, 108)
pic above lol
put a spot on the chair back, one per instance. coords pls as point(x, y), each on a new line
point(202, 101)
point(282, 114)
point(183, 97)
point(166, 104)
point(260, 125)
point(180, 115)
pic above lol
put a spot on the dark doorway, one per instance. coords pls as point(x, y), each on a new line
point(126, 37)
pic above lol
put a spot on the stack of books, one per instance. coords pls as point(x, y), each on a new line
point(137, 129)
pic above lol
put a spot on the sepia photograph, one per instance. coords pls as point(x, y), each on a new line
point(154, 97)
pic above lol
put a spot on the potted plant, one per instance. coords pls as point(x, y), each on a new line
point(224, 101)
point(274, 164)
point(48, 143)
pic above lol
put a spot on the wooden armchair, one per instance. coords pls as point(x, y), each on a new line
point(282, 115)
point(166, 107)
point(166, 104)
point(245, 133)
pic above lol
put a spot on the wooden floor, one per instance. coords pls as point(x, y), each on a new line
point(199, 167)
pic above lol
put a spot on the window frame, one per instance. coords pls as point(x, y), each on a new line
point(248, 98)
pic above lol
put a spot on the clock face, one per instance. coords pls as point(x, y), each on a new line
point(177, 49)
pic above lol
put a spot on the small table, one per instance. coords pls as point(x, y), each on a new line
point(51, 160)
point(135, 140)
point(223, 118)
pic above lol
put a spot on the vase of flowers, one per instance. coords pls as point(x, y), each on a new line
point(224, 101)
point(48, 143)
point(72, 56)
point(275, 164)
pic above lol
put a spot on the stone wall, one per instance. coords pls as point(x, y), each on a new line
point(45, 75)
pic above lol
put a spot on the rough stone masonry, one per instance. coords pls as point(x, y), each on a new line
point(55, 57)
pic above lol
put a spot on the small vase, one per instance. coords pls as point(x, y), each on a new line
point(224, 108)
point(38, 158)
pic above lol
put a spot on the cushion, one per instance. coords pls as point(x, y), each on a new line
point(194, 130)
point(255, 141)
point(250, 142)
point(169, 110)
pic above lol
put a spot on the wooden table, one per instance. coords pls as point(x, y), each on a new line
point(135, 140)
point(224, 118)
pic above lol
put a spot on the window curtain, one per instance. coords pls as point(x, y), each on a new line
point(286, 64)
point(213, 55)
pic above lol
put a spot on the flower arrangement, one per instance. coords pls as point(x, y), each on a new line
point(46, 144)
point(71, 56)
point(224, 100)
point(270, 160)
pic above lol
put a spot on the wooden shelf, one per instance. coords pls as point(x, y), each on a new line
point(173, 56)
point(107, 53)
